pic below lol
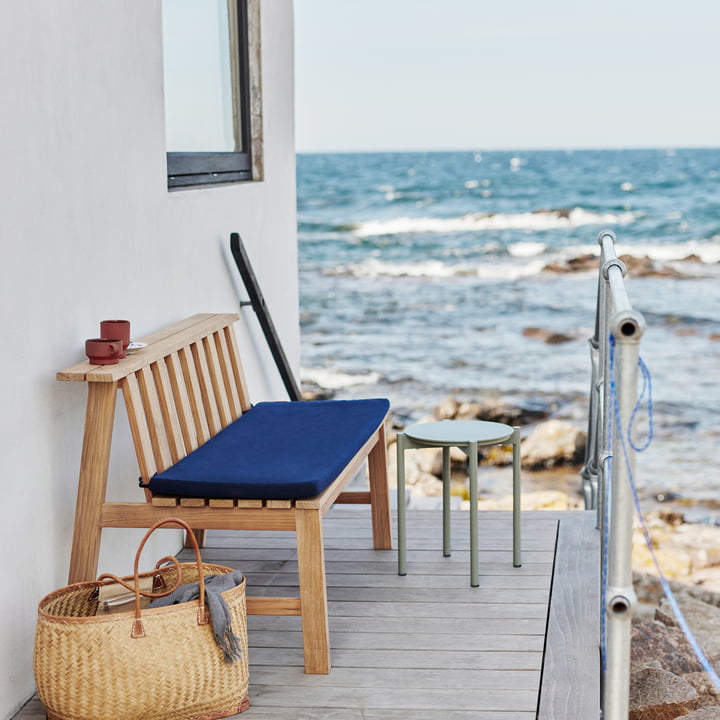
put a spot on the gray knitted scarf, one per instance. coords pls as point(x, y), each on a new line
point(220, 619)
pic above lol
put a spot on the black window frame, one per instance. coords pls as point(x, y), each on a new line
point(205, 168)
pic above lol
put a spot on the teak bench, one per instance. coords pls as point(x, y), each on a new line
point(180, 391)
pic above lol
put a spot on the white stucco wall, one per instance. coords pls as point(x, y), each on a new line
point(88, 230)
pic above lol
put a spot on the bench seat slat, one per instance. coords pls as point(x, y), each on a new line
point(221, 502)
point(165, 501)
point(193, 502)
point(245, 503)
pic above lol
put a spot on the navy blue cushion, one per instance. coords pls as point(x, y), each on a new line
point(276, 450)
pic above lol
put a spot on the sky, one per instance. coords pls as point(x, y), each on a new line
point(378, 75)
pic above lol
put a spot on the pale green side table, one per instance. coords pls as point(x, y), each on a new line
point(467, 435)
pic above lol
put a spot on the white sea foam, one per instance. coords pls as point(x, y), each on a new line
point(335, 380)
point(528, 259)
point(527, 249)
point(434, 269)
point(707, 251)
point(478, 222)
point(372, 267)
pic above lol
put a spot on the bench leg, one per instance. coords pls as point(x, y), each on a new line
point(379, 496)
point(313, 591)
point(100, 417)
point(199, 534)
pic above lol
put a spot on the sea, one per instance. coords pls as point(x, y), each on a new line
point(430, 274)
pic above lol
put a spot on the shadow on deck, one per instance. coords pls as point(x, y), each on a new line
point(523, 645)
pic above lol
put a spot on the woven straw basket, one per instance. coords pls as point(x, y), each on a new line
point(147, 664)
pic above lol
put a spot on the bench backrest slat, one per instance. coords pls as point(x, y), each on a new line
point(228, 378)
point(182, 402)
point(171, 421)
point(233, 355)
point(216, 381)
point(154, 418)
point(139, 427)
point(192, 383)
point(209, 401)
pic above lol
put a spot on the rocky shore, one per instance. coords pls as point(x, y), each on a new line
point(667, 680)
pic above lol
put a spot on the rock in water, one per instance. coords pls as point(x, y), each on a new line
point(553, 443)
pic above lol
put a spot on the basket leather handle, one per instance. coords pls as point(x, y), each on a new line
point(138, 629)
point(168, 559)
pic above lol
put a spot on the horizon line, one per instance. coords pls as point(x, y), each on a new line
point(609, 148)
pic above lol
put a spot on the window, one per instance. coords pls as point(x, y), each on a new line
point(211, 61)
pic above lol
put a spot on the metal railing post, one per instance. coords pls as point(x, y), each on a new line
point(620, 600)
point(610, 465)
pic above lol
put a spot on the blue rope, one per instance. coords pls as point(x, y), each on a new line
point(647, 385)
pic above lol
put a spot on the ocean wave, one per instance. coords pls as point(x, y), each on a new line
point(372, 267)
point(528, 259)
point(336, 380)
point(435, 269)
point(527, 249)
point(706, 251)
point(476, 222)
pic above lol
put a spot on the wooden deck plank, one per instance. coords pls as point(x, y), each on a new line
point(481, 595)
point(399, 698)
point(411, 640)
point(572, 656)
point(425, 645)
point(451, 626)
point(361, 567)
point(409, 678)
point(389, 581)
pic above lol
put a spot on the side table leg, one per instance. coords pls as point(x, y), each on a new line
point(446, 500)
point(517, 498)
point(472, 451)
point(402, 560)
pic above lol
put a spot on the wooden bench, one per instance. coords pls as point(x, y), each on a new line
point(180, 391)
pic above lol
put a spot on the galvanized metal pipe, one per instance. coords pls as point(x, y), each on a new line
point(626, 328)
point(613, 398)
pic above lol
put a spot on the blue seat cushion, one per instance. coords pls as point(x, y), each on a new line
point(276, 450)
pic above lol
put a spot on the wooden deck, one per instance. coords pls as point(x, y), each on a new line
point(428, 645)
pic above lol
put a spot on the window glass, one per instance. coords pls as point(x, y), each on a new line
point(213, 96)
point(198, 79)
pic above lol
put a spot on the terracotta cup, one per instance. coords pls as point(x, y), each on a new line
point(116, 329)
point(104, 351)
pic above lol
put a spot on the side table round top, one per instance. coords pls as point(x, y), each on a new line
point(459, 432)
